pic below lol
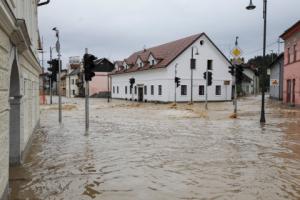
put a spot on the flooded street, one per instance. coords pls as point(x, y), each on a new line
point(161, 152)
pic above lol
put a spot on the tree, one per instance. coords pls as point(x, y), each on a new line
point(258, 62)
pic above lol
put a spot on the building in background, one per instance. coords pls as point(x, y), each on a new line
point(276, 78)
point(19, 82)
point(100, 84)
point(250, 83)
point(291, 83)
point(154, 72)
point(98, 87)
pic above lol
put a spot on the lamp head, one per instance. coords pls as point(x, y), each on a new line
point(54, 29)
point(251, 6)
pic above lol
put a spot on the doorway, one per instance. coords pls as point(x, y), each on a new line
point(15, 116)
point(140, 94)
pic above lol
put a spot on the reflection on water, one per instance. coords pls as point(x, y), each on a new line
point(163, 152)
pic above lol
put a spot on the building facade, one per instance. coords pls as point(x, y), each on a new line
point(276, 78)
point(98, 87)
point(154, 72)
point(291, 84)
point(19, 82)
point(250, 83)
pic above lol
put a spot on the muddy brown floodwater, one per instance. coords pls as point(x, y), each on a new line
point(161, 152)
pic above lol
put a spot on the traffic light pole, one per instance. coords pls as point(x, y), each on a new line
point(235, 92)
point(50, 78)
point(175, 97)
point(59, 81)
point(87, 121)
point(206, 87)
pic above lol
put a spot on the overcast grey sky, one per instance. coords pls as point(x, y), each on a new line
point(117, 28)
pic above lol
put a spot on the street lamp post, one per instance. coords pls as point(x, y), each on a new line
point(264, 71)
point(59, 74)
point(193, 66)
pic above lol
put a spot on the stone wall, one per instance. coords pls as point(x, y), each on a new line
point(4, 111)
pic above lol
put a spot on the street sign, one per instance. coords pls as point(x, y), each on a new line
point(274, 82)
point(226, 82)
point(236, 52)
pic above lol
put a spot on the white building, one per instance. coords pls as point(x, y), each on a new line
point(19, 82)
point(74, 68)
point(154, 72)
point(250, 83)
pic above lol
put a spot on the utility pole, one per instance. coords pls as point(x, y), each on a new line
point(192, 75)
point(175, 100)
point(107, 88)
point(59, 74)
point(50, 78)
point(206, 88)
point(87, 122)
point(235, 87)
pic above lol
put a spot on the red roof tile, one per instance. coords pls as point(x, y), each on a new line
point(164, 54)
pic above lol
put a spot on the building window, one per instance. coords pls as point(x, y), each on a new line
point(117, 89)
point(135, 90)
point(201, 90)
point(113, 89)
point(141, 64)
point(152, 62)
point(295, 53)
point(72, 81)
point(159, 90)
point(183, 90)
point(210, 64)
point(125, 89)
point(288, 55)
point(73, 92)
point(145, 90)
point(218, 89)
point(152, 89)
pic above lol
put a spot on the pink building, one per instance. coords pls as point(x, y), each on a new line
point(99, 83)
point(291, 83)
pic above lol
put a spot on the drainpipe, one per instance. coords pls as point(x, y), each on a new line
point(44, 3)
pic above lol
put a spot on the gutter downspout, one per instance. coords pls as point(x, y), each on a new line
point(44, 3)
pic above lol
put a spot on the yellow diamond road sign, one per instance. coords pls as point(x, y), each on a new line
point(236, 52)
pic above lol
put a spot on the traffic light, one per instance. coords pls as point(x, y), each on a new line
point(89, 65)
point(54, 67)
point(131, 81)
point(209, 81)
point(231, 70)
point(177, 81)
point(239, 74)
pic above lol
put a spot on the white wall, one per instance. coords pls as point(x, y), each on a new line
point(165, 76)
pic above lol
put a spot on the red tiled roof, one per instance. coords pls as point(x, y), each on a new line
point(164, 54)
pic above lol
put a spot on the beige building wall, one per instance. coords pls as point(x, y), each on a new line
point(19, 83)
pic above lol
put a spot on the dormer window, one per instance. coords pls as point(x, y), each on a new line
point(152, 59)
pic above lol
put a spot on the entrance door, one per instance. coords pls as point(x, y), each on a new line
point(293, 91)
point(140, 94)
point(289, 89)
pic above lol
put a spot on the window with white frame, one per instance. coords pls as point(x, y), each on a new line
point(159, 90)
point(201, 90)
point(218, 90)
point(145, 90)
point(183, 90)
point(152, 89)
